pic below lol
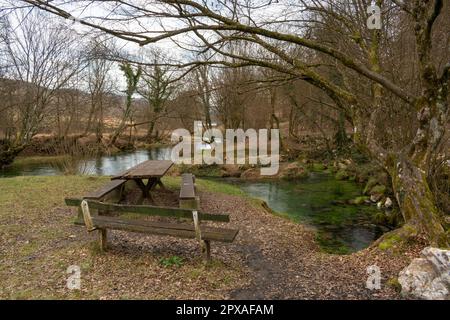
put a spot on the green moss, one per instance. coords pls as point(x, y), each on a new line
point(341, 175)
point(317, 167)
point(369, 185)
point(390, 241)
point(359, 200)
point(393, 282)
point(380, 218)
point(378, 189)
point(331, 245)
point(409, 230)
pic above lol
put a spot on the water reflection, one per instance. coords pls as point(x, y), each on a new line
point(104, 165)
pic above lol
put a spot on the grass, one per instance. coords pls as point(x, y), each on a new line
point(202, 170)
point(38, 242)
point(25, 193)
point(209, 185)
point(23, 161)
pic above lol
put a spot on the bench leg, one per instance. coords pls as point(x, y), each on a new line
point(103, 239)
point(79, 219)
point(207, 250)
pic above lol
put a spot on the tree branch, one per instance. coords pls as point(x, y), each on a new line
point(230, 24)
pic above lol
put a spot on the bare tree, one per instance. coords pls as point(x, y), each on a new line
point(41, 59)
point(203, 80)
point(283, 41)
point(100, 85)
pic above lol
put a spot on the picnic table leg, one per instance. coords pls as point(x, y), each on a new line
point(145, 188)
point(160, 184)
point(151, 184)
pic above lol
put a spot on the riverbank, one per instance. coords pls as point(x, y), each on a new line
point(271, 258)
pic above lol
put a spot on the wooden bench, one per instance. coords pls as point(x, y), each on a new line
point(113, 191)
point(94, 217)
point(203, 234)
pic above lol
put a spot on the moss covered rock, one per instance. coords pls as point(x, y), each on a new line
point(294, 171)
point(318, 167)
point(378, 189)
point(390, 241)
point(359, 200)
point(341, 175)
point(369, 185)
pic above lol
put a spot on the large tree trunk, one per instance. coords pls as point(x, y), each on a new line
point(409, 168)
point(417, 203)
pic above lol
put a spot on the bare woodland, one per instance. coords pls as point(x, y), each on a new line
point(313, 65)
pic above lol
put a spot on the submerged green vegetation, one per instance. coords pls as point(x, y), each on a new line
point(327, 204)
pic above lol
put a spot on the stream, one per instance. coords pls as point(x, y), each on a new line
point(318, 201)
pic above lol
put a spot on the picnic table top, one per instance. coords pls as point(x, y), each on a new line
point(146, 170)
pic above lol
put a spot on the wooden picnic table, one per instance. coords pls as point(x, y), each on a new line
point(151, 170)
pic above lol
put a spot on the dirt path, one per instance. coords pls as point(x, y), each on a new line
point(265, 275)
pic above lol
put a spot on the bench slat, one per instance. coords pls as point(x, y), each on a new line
point(187, 190)
point(107, 188)
point(160, 228)
point(149, 210)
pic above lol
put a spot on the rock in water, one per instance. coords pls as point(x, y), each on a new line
point(375, 197)
point(428, 277)
point(388, 203)
point(379, 205)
